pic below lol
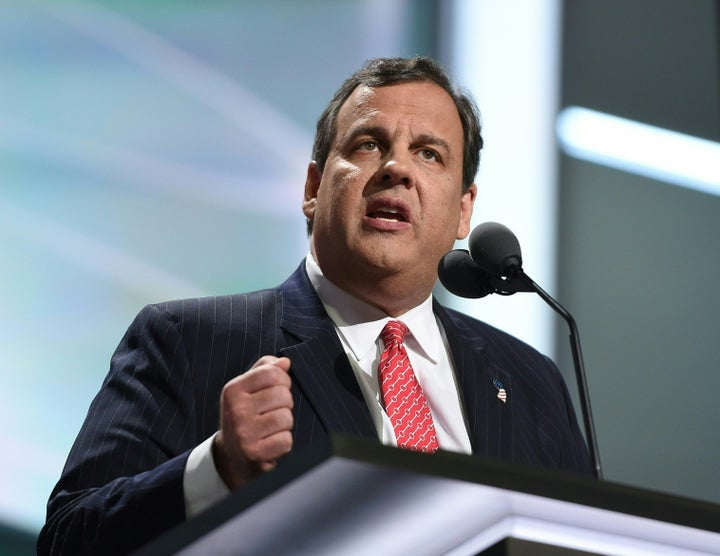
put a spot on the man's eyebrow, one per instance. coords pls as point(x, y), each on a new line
point(381, 133)
point(432, 140)
point(369, 130)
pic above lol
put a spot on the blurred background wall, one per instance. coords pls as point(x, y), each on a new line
point(639, 253)
point(140, 141)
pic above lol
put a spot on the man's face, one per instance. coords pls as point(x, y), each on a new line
point(389, 203)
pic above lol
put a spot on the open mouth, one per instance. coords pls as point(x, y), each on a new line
point(393, 215)
point(389, 210)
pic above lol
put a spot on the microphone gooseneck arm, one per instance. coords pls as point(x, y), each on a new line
point(517, 273)
point(494, 265)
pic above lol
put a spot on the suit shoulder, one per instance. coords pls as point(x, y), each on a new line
point(498, 344)
point(213, 308)
point(211, 331)
point(473, 326)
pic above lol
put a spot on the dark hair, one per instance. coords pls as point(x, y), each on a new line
point(379, 72)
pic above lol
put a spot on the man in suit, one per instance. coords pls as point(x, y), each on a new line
point(205, 394)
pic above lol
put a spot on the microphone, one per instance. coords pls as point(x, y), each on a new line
point(494, 265)
point(462, 276)
point(495, 249)
point(490, 266)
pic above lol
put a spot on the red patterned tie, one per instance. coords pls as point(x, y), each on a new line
point(402, 394)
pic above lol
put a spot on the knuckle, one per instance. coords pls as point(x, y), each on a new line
point(286, 441)
point(264, 360)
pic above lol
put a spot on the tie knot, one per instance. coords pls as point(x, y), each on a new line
point(394, 331)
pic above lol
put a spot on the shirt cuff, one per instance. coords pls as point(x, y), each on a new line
point(202, 484)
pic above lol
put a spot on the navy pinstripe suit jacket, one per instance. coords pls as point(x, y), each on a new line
point(122, 483)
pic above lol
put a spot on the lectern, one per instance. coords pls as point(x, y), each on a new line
point(353, 497)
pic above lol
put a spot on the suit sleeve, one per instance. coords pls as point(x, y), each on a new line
point(122, 482)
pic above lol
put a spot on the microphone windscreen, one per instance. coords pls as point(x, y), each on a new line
point(462, 276)
point(495, 248)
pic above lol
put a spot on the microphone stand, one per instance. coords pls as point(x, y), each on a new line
point(517, 273)
point(461, 275)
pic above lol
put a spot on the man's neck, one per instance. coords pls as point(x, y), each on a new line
point(378, 299)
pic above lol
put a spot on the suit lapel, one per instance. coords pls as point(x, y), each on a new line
point(489, 420)
point(320, 367)
point(322, 371)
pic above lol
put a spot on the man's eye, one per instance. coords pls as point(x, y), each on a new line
point(428, 154)
point(368, 146)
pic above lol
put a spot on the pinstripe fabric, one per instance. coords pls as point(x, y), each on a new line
point(122, 483)
point(537, 425)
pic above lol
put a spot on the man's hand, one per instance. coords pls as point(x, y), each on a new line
point(255, 421)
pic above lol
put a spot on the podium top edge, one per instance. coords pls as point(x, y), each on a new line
point(568, 487)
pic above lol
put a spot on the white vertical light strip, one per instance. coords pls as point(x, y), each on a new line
point(506, 54)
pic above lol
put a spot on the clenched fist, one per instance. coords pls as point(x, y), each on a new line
point(255, 421)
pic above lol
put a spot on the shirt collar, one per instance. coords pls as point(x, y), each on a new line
point(360, 323)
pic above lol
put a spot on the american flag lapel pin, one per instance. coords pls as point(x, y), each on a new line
point(500, 387)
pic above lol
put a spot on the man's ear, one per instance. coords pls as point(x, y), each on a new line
point(312, 184)
point(467, 201)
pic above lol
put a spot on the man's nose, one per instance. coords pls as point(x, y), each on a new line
point(397, 170)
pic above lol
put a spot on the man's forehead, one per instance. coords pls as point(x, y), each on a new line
point(420, 89)
point(359, 104)
point(362, 94)
point(413, 98)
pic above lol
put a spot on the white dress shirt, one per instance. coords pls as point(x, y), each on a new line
point(358, 325)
